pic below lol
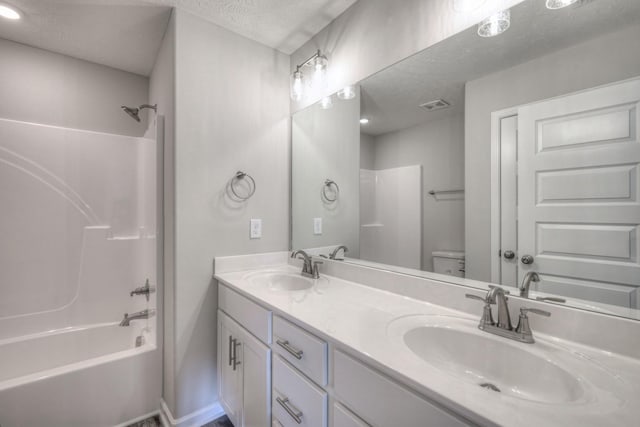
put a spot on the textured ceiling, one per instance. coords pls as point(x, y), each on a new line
point(284, 25)
point(126, 34)
point(391, 97)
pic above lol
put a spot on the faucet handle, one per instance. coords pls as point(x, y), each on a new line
point(487, 317)
point(524, 311)
point(523, 327)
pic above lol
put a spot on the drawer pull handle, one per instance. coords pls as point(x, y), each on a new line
point(291, 410)
point(230, 350)
point(291, 350)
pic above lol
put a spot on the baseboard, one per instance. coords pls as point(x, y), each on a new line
point(194, 419)
point(140, 418)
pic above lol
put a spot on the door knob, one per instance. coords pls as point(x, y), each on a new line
point(527, 259)
point(509, 255)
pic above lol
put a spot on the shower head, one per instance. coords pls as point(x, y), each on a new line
point(135, 112)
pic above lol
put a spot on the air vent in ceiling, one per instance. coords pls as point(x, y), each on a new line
point(437, 104)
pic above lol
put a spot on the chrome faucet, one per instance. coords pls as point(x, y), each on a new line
point(531, 276)
point(143, 290)
point(497, 295)
point(309, 267)
point(144, 314)
point(334, 253)
point(503, 326)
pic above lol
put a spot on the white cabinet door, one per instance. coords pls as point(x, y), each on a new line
point(229, 372)
point(256, 387)
point(579, 193)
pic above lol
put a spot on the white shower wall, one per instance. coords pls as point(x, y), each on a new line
point(391, 216)
point(78, 226)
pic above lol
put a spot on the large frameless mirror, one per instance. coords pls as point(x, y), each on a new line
point(510, 159)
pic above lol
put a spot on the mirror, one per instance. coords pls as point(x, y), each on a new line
point(510, 159)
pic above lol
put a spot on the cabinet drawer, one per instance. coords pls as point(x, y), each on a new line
point(296, 401)
point(303, 350)
point(381, 401)
point(342, 417)
point(250, 315)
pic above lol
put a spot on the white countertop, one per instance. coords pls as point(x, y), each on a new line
point(363, 320)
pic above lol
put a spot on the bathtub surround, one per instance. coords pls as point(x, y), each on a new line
point(82, 240)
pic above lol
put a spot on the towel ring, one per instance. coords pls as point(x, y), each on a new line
point(328, 183)
point(238, 177)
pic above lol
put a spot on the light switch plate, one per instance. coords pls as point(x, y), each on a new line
point(317, 226)
point(256, 228)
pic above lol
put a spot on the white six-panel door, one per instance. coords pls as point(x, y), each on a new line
point(579, 193)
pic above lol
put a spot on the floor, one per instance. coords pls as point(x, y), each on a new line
point(155, 422)
point(220, 422)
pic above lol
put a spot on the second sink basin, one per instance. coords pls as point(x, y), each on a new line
point(530, 372)
point(282, 281)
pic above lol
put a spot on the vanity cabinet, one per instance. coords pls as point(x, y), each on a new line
point(295, 387)
point(244, 359)
point(381, 401)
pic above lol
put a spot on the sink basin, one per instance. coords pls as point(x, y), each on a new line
point(524, 371)
point(281, 281)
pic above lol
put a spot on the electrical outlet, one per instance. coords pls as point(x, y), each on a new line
point(256, 228)
point(317, 226)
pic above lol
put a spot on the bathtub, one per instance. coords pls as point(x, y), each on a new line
point(84, 376)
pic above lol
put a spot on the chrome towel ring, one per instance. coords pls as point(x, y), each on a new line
point(239, 176)
point(328, 183)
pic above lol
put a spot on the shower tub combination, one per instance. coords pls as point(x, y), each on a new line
point(78, 235)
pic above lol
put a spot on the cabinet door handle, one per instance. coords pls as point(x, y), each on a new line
point(291, 350)
point(230, 350)
point(294, 412)
point(235, 360)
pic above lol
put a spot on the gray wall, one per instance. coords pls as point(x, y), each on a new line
point(232, 113)
point(48, 88)
point(438, 146)
point(367, 154)
point(596, 62)
point(374, 34)
point(325, 145)
point(162, 92)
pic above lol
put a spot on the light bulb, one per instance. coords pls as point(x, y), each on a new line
point(326, 103)
point(496, 24)
point(9, 12)
point(364, 121)
point(319, 82)
point(349, 92)
point(297, 86)
point(559, 4)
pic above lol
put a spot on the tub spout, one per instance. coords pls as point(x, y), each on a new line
point(144, 314)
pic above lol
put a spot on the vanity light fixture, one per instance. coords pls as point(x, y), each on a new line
point(495, 25)
point(319, 78)
point(326, 103)
point(9, 12)
point(559, 4)
point(348, 92)
point(364, 121)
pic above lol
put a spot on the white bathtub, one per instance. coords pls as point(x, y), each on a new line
point(85, 376)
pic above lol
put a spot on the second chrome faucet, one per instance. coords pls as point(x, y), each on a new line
point(309, 267)
point(502, 326)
